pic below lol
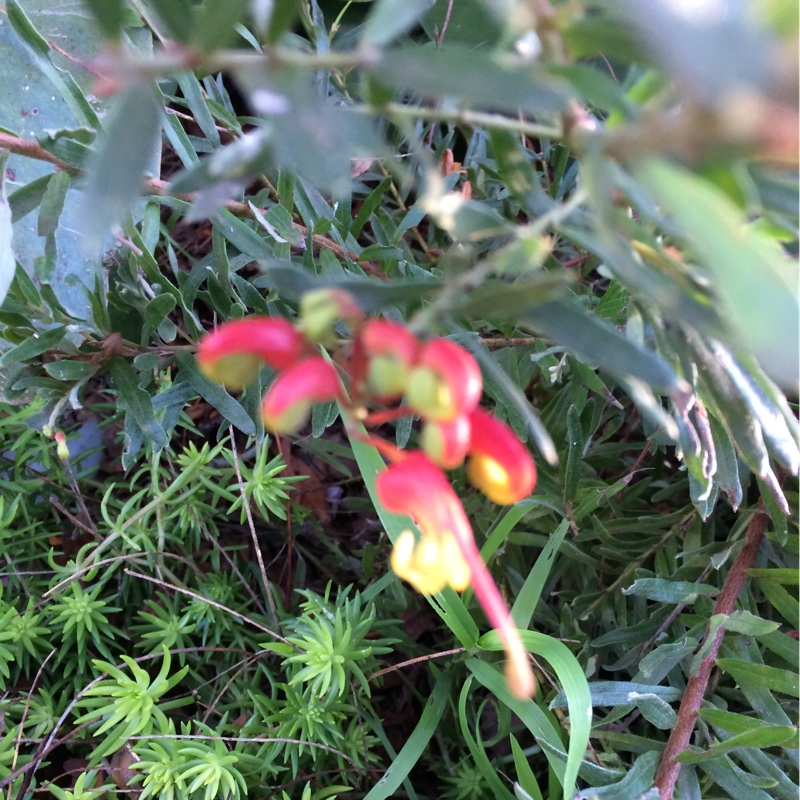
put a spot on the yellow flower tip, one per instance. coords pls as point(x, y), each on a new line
point(429, 565)
point(491, 478)
point(403, 552)
point(520, 678)
point(289, 421)
point(234, 372)
point(458, 575)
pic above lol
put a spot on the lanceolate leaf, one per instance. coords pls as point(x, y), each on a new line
point(8, 263)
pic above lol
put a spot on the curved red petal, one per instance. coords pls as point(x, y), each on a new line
point(446, 443)
point(272, 339)
point(384, 337)
point(288, 401)
point(418, 488)
point(500, 465)
point(458, 376)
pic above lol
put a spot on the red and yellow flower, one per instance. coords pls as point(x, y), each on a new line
point(235, 352)
point(499, 464)
point(447, 555)
point(287, 403)
point(445, 383)
point(442, 383)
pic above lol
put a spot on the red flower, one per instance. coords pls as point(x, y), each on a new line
point(391, 350)
point(234, 353)
point(445, 383)
point(321, 309)
point(447, 554)
point(499, 464)
point(288, 401)
point(446, 443)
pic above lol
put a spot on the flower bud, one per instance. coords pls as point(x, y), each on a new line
point(62, 451)
point(499, 464)
point(234, 353)
point(321, 309)
point(288, 401)
point(391, 350)
point(445, 383)
point(446, 443)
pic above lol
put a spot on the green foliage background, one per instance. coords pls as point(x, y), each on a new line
point(598, 199)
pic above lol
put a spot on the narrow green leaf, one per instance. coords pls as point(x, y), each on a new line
point(786, 605)
point(570, 324)
point(476, 748)
point(111, 17)
point(124, 150)
point(53, 203)
point(8, 263)
point(372, 201)
point(733, 780)
point(477, 77)
point(177, 16)
point(193, 93)
point(749, 624)
point(525, 777)
point(754, 280)
point(70, 370)
point(24, 27)
point(388, 19)
point(572, 467)
point(525, 604)
point(156, 310)
point(35, 345)
point(666, 591)
point(655, 710)
point(789, 577)
point(766, 736)
point(241, 236)
point(574, 686)
point(213, 393)
point(735, 723)
point(216, 24)
point(619, 693)
point(28, 197)
point(533, 717)
point(637, 783)
point(138, 401)
point(415, 745)
point(772, 678)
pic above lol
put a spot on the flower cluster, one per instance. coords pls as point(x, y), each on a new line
point(437, 380)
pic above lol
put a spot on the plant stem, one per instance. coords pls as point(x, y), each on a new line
point(668, 769)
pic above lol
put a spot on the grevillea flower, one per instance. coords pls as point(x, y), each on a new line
point(445, 383)
point(391, 351)
point(499, 464)
point(288, 401)
point(447, 554)
point(321, 309)
point(234, 353)
point(446, 443)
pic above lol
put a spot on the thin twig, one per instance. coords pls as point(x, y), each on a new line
point(26, 781)
point(247, 739)
point(417, 660)
point(202, 599)
point(249, 514)
point(440, 36)
point(668, 769)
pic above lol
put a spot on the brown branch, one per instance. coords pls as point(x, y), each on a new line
point(668, 769)
point(29, 149)
point(156, 186)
